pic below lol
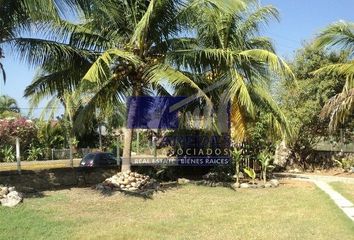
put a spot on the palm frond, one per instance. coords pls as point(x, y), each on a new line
point(238, 92)
point(274, 62)
point(339, 108)
point(141, 30)
point(162, 72)
point(101, 69)
point(238, 123)
point(266, 102)
point(37, 51)
point(344, 69)
point(340, 34)
point(261, 15)
point(2, 69)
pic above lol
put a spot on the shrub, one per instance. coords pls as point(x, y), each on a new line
point(7, 154)
point(34, 153)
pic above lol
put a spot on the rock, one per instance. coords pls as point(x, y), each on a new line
point(132, 189)
point(3, 191)
point(294, 171)
point(11, 189)
point(12, 199)
point(108, 188)
point(244, 185)
point(274, 182)
point(100, 187)
point(131, 179)
point(183, 181)
point(254, 186)
point(235, 186)
point(128, 180)
point(282, 153)
point(268, 185)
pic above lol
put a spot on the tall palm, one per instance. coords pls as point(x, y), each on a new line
point(139, 44)
point(130, 38)
point(341, 106)
point(145, 36)
point(8, 106)
point(27, 17)
point(230, 49)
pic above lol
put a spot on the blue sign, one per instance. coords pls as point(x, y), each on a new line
point(153, 112)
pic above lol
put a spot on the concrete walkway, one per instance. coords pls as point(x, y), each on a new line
point(316, 177)
point(344, 204)
point(322, 183)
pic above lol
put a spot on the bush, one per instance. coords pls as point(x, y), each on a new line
point(7, 154)
point(24, 129)
point(34, 153)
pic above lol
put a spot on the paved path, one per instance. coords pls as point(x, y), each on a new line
point(344, 204)
point(316, 177)
point(322, 183)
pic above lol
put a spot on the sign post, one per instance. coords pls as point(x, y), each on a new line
point(18, 155)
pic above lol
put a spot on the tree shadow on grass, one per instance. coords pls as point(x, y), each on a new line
point(143, 194)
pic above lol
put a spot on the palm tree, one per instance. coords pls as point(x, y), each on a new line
point(8, 107)
point(134, 47)
point(231, 50)
point(18, 17)
point(341, 106)
point(133, 41)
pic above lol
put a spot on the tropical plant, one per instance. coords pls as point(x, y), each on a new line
point(8, 107)
point(133, 40)
point(237, 157)
point(135, 48)
point(7, 154)
point(232, 54)
point(265, 159)
point(303, 104)
point(51, 134)
point(346, 163)
point(34, 153)
point(340, 107)
point(251, 173)
point(20, 17)
point(21, 128)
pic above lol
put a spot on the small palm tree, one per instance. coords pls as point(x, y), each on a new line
point(341, 106)
point(237, 157)
point(265, 159)
point(8, 107)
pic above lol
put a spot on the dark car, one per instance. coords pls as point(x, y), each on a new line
point(99, 159)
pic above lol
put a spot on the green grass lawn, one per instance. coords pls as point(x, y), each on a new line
point(346, 189)
point(293, 211)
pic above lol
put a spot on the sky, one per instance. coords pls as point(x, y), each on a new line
point(300, 21)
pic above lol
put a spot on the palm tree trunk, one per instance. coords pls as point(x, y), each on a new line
point(128, 137)
point(265, 176)
point(128, 134)
point(71, 152)
point(100, 136)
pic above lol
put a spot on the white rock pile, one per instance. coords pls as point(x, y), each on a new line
point(128, 181)
point(9, 197)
